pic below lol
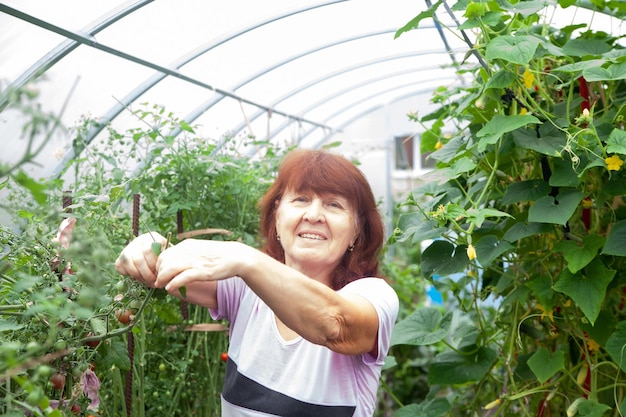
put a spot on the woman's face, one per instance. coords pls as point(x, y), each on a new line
point(315, 231)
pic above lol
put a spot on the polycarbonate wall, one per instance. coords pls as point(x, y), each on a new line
point(297, 72)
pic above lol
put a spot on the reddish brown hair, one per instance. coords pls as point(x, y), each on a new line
point(322, 172)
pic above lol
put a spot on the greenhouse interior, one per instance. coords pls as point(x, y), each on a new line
point(491, 134)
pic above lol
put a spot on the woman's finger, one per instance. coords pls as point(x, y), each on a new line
point(145, 272)
point(185, 277)
point(120, 264)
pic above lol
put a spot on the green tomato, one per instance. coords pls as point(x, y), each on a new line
point(32, 346)
point(60, 344)
point(77, 371)
point(121, 286)
point(44, 371)
point(35, 396)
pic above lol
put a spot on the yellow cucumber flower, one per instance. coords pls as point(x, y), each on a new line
point(471, 252)
point(614, 163)
point(546, 313)
point(528, 78)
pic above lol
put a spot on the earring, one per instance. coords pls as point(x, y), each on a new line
point(277, 237)
point(351, 248)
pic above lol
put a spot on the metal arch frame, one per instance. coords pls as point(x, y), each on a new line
point(321, 102)
point(348, 89)
point(352, 88)
point(90, 41)
point(341, 71)
point(190, 56)
point(365, 112)
point(67, 46)
point(361, 99)
point(162, 71)
point(202, 108)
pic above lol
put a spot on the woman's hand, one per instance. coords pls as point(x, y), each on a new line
point(139, 259)
point(201, 260)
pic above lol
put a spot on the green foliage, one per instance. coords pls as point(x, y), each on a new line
point(523, 221)
point(63, 307)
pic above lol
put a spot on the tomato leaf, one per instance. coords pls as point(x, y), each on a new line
point(156, 248)
point(7, 326)
point(36, 189)
point(116, 353)
point(98, 326)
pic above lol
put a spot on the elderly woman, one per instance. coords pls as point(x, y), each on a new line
point(310, 317)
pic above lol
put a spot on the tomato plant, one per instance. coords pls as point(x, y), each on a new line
point(60, 264)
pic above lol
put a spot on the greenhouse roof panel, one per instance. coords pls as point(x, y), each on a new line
point(233, 65)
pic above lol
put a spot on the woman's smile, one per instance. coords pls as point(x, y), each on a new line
point(312, 236)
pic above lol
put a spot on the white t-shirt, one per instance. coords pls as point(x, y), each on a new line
point(269, 376)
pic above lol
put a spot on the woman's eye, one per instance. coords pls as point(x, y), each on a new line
point(335, 204)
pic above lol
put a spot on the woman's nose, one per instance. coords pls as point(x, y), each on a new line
point(315, 211)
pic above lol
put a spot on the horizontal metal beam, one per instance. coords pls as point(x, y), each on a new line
point(64, 48)
point(156, 78)
point(207, 105)
point(367, 111)
point(341, 71)
point(92, 42)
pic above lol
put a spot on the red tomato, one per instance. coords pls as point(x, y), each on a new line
point(92, 343)
point(57, 381)
point(224, 356)
point(124, 316)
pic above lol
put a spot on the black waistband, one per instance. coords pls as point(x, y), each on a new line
point(244, 392)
